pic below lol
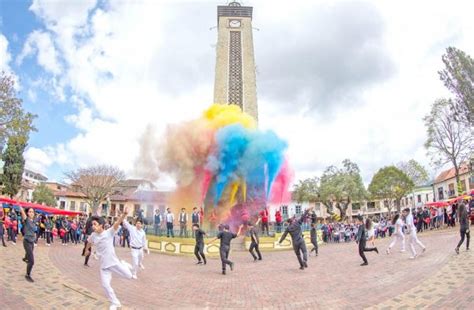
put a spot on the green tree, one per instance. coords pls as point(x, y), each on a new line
point(390, 184)
point(415, 171)
point(14, 164)
point(449, 141)
point(14, 121)
point(306, 190)
point(458, 77)
point(340, 186)
point(44, 195)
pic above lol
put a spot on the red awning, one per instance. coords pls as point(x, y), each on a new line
point(38, 207)
point(437, 204)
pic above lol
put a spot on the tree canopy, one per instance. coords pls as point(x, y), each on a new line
point(340, 186)
point(391, 185)
point(458, 77)
point(13, 165)
point(307, 190)
point(43, 195)
point(415, 171)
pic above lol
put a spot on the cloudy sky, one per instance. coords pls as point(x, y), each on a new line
point(336, 79)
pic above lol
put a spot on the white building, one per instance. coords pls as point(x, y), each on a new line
point(445, 183)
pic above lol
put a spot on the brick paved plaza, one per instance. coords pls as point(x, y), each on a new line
point(438, 279)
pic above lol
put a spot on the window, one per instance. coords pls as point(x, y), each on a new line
point(371, 205)
point(136, 207)
point(451, 191)
point(72, 206)
point(463, 186)
point(298, 209)
point(284, 210)
point(440, 193)
point(471, 182)
point(62, 205)
point(121, 207)
point(427, 198)
point(104, 209)
point(418, 198)
point(356, 206)
point(82, 207)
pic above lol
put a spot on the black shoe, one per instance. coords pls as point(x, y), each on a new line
point(223, 272)
point(254, 259)
point(29, 279)
point(231, 266)
point(205, 262)
point(86, 265)
point(457, 250)
point(305, 265)
point(364, 264)
point(302, 268)
point(25, 260)
point(199, 263)
point(260, 258)
point(376, 250)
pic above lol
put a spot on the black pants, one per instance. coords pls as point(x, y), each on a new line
point(224, 252)
point(300, 248)
point(86, 260)
point(315, 246)
point(264, 226)
point(3, 239)
point(362, 249)
point(199, 252)
point(254, 246)
point(464, 234)
point(48, 237)
point(29, 247)
point(169, 230)
point(127, 240)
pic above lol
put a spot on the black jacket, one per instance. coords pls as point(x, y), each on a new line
point(294, 229)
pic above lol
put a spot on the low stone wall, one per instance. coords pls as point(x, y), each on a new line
point(185, 246)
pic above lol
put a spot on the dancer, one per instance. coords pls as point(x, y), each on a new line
point(88, 231)
point(299, 246)
point(255, 241)
point(226, 237)
point(361, 240)
point(28, 240)
point(138, 243)
point(398, 235)
point(464, 229)
point(411, 232)
point(314, 239)
point(370, 226)
point(109, 263)
point(199, 247)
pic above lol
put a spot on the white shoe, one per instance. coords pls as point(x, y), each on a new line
point(114, 307)
point(142, 267)
point(387, 251)
point(413, 257)
point(14, 243)
point(36, 244)
point(402, 251)
point(134, 277)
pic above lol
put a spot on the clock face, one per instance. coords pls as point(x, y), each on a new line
point(233, 23)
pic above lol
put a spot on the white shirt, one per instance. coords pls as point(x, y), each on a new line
point(169, 217)
point(411, 223)
point(104, 247)
point(137, 237)
point(398, 226)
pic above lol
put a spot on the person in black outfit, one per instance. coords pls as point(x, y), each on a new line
point(28, 240)
point(2, 231)
point(199, 247)
point(254, 241)
point(314, 238)
point(125, 236)
point(464, 230)
point(226, 237)
point(88, 232)
point(361, 240)
point(299, 246)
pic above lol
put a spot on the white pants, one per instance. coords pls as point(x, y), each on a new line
point(395, 239)
point(414, 240)
point(137, 259)
point(106, 277)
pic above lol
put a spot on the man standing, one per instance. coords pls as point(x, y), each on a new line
point(138, 242)
point(411, 232)
point(2, 229)
point(195, 218)
point(278, 220)
point(88, 232)
point(254, 241)
point(226, 237)
point(264, 219)
point(199, 247)
point(314, 238)
point(299, 246)
point(157, 222)
point(169, 223)
point(183, 220)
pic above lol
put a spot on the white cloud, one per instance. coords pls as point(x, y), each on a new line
point(131, 64)
point(37, 160)
point(5, 56)
point(41, 42)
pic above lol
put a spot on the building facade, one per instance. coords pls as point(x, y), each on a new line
point(445, 183)
point(235, 77)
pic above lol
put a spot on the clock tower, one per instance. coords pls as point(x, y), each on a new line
point(235, 81)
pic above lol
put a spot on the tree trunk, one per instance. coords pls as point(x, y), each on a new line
point(458, 181)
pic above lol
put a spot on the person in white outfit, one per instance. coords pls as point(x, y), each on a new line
point(398, 235)
point(102, 240)
point(138, 243)
point(411, 232)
